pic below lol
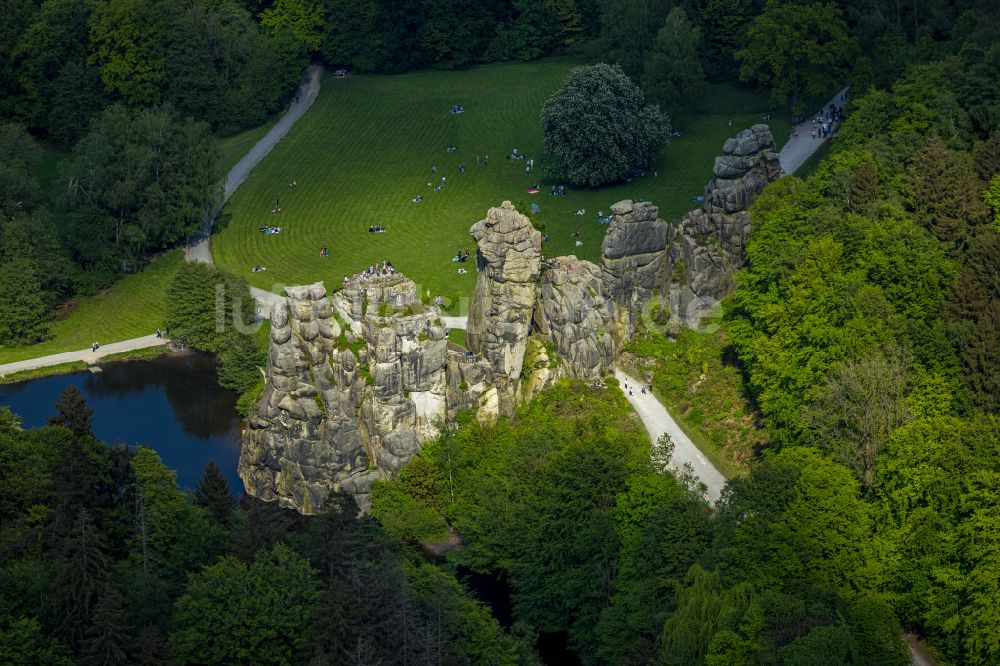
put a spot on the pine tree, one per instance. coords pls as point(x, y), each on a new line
point(945, 193)
point(151, 648)
point(864, 188)
point(73, 412)
point(673, 75)
point(213, 494)
point(84, 573)
point(986, 155)
point(108, 634)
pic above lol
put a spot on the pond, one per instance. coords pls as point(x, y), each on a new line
point(172, 404)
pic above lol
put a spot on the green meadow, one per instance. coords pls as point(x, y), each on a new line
point(367, 147)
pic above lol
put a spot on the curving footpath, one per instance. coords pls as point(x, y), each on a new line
point(199, 249)
point(658, 421)
point(88, 356)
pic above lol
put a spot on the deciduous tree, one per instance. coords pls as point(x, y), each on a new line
point(599, 128)
point(797, 49)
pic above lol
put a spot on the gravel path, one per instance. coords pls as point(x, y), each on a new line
point(799, 149)
point(657, 421)
point(199, 249)
point(86, 355)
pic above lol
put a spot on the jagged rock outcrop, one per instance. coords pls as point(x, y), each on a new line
point(355, 385)
point(709, 244)
point(508, 259)
point(574, 314)
point(302, 438)
point(632, 262)
point(357, 382)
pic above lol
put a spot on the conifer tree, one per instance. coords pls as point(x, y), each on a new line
point(864, 187)
point(73, 412)
point(108, 634)
point(673, 75)
point(945, 193)
point(213, 494)
point(83, 574)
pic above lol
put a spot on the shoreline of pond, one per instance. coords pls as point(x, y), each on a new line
point(169, 401)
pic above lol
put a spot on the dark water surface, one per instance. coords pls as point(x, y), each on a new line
point(171, 404)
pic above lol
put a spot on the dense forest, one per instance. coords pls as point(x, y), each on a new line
point(106, 561)
point(864, 336)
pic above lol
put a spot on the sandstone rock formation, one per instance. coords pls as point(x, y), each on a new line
point(709, 244)
point(303, 439)
point(508, 259)
point(632, 262)
point(355, 384)
point(574, 314)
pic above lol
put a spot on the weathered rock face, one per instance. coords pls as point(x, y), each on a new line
point(508, 259)
point(573, 313)
point(303, 439)
point(354, 385)
point(709, 244)
point(633, 260)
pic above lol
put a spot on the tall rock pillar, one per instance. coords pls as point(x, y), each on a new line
point(708, 245)
point(632, 261)
point(508, 260)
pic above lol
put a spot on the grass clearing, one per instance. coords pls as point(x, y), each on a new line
point(136, 354)
point(458, 336)
point(366, 148)
point(133, 307)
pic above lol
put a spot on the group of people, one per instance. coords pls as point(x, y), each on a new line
point(376, 229)
point(461, 256)
point(375, 270)
point(823, 123)
point(558, 190)
point(456, 109)
point(257, 268)
point(324, 252)
point(643, 388)
point(269, 230)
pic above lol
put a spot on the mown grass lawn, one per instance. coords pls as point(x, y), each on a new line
point(133, 307)
point(366, 148)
